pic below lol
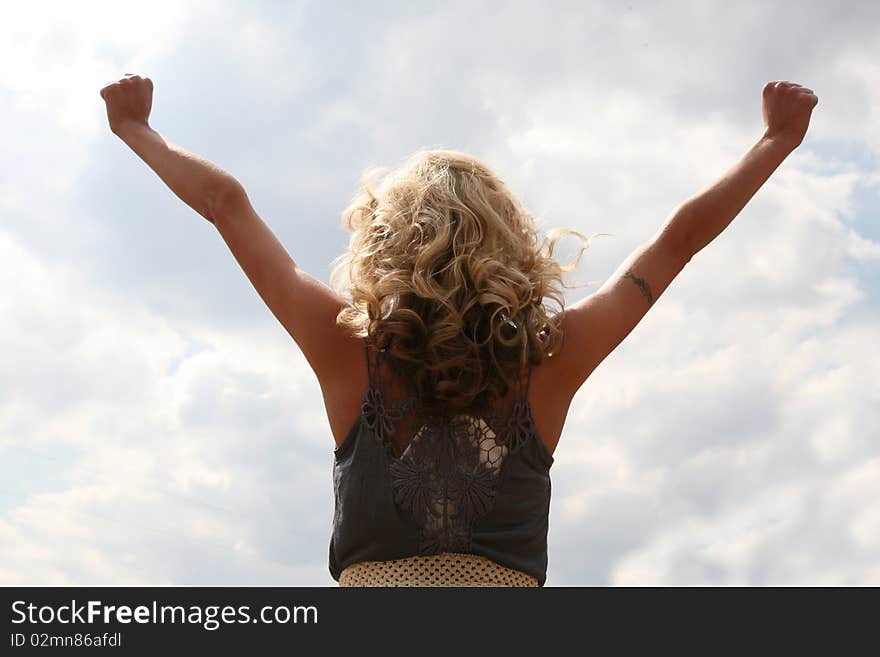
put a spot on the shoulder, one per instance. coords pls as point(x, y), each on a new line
point(344, 391)
point(549, 402)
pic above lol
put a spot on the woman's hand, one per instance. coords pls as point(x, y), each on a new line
point(786, 107)
point(129, 101)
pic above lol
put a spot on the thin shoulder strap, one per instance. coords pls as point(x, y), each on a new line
point(370, 366)
point(523, 385)
point(375, 373)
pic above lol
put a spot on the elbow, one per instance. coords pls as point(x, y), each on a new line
point(677, 240)
point(223, 201)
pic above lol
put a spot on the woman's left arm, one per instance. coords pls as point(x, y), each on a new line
point(305, 306)
point(196, 181)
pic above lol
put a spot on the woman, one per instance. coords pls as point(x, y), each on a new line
point(445, 380)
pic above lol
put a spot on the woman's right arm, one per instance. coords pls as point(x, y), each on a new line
point(786, 107)
point(596, 325)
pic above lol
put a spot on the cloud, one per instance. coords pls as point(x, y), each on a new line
point(174, 458)
point(162, 426)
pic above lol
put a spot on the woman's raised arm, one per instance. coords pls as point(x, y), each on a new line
point(596, 325)
point(305, 306)
point(196, 181)
point(786, 107)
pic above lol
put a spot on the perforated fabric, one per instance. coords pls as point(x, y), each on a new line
point(407, 484)
point(446, 569)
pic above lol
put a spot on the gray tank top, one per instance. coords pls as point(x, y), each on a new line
point(407, 485)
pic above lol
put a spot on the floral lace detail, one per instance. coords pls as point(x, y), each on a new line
point(519, 426)
point(412, 487)
point(447, 476)
point(447, 479)
point(379, 419)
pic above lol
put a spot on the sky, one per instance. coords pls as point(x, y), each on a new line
point(158, 426)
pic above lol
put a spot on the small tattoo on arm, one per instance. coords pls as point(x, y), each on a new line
point(643, 286)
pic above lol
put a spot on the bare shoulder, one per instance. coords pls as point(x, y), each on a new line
point(549, 401)
point(343, 392)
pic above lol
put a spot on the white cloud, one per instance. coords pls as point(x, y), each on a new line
point(163, 428)
point(177, 444)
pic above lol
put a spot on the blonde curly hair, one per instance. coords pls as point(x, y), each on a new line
point(447, 279)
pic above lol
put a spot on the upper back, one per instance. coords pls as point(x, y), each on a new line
point(395, 412)
point(408, 483)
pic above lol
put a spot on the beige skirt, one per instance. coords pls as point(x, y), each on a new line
point(445, 569)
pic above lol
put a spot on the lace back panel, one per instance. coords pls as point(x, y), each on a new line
point(444, 472)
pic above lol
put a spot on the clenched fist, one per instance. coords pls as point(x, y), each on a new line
point(128, 100)
point(787, 107)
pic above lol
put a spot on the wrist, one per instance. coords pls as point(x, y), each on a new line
point(778, 142)
point(129, 127)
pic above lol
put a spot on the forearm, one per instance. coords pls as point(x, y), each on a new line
point(196, 181)
point(703, 216)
